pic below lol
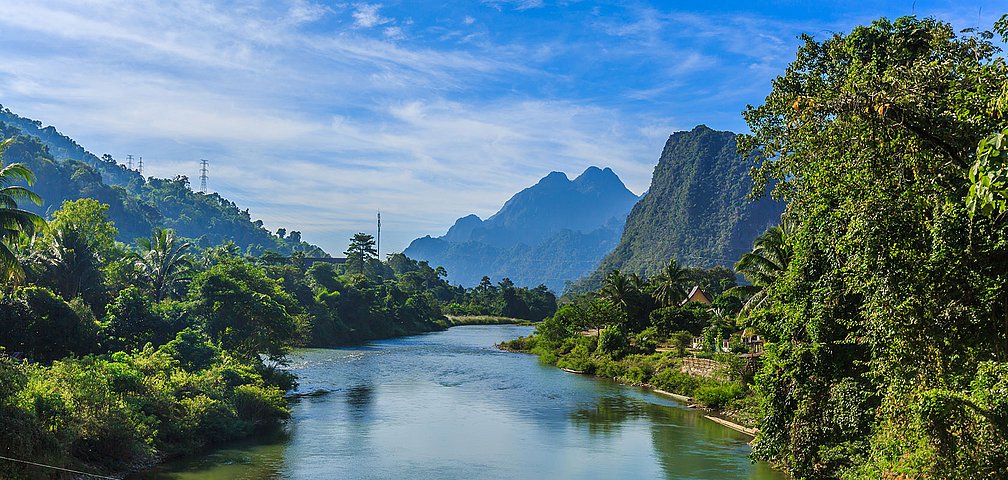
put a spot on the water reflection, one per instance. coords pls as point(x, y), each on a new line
point(607, 414)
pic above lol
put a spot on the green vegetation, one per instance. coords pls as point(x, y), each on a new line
point(887, 353)
point(112, 355)
point(696, 210)
point(503, 300)
point(456, 320)
point(637, 331)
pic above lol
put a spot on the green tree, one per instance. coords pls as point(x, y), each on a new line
point(90, 220)
point(164, 262)
point(763, 266)
point(670, 285)
point(360, 252)
point(246, 311)
point(15, 222)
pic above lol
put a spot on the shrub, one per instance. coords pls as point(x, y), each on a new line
point(718, 395)
point(612, 341)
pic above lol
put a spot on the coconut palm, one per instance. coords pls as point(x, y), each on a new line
point(164, 262)
point(764, 265)
point(14, 221)
point(670, 284)
point(71, 264)
point(618, 289)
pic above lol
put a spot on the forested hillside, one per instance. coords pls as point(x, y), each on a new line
point(136, 205)
point(695, 211)
point(550, 233)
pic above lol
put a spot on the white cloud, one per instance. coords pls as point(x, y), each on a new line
point(394, 33)
point(366, 15)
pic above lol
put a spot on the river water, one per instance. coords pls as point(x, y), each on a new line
point(448, 405)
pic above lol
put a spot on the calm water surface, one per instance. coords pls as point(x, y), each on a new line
point(448, 405)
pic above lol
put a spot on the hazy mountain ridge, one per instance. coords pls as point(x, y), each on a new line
point(695, 210)
point(66, 171)
point(552, 232)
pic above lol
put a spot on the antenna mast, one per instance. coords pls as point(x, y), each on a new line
point(378, 240)
point(203, 175)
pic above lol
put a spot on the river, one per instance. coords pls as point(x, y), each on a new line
point(448, 405)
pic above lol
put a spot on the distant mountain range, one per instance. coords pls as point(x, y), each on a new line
point(695, 210)
point(66, 171)
point(550, 233)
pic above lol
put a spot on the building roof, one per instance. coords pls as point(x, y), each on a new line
point(696, 295)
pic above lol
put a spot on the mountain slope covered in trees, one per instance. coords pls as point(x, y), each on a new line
point(550, 233)
point(137, 205)
point(695, 211)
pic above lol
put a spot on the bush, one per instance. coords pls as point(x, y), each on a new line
point(612, 341)
point(260, 405)
point(718, 395)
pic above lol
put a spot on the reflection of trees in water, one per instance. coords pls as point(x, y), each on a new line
point(360, 398)
point(607, 415)
point(684, 442)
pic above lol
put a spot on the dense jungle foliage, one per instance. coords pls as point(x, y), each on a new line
point(888, 353)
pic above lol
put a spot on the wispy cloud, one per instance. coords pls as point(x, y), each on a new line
point(366, 15)
point(316, 115)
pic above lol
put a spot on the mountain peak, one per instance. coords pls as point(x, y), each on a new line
point(555, 177)
point(595, 178)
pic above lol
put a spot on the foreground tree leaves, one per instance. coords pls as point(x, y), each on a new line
point(895, 292)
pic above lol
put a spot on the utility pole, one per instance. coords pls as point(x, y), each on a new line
point(203, 175)
point(129, 162)
point(378, 240)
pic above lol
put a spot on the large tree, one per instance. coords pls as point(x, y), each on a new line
point(360, 252)
point(887, 342)
point(15, 221)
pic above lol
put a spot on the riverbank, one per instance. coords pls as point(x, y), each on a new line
point(725, 394)
point(460, 320)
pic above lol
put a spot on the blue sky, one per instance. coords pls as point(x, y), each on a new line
point(314, 115)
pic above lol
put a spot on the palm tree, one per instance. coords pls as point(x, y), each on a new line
point(671, 284)
point(72, 266)
point(164, 262)
point(764, 265)
point(14, 221)
point(618, 289)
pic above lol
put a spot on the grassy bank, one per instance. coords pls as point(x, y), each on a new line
point(727, 392)
point(457, 320)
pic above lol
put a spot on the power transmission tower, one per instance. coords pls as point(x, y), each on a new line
point(378, 240)
point(140, 168)
point(203, 175)
point(129, 162)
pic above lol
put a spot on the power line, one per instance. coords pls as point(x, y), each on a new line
point(203, 175)
point(55, 467)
